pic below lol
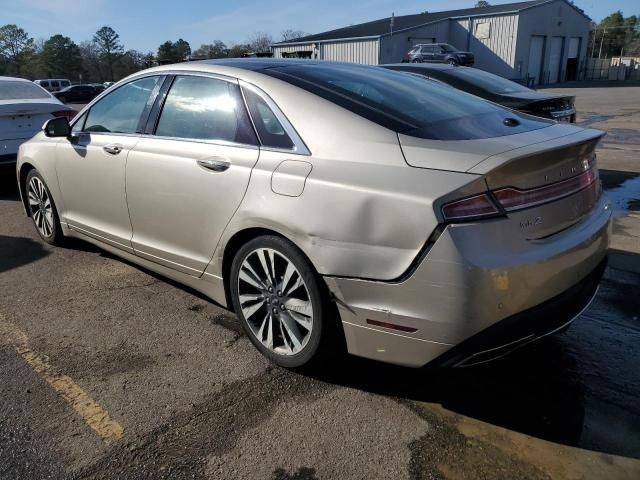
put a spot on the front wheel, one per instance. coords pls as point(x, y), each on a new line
point(452, 61)
point(43, 209)
point(280, 301)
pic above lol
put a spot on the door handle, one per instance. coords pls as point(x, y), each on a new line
point(215, 164)
point(113, 148)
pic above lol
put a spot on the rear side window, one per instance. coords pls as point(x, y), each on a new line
point(406, 103)
point(120, 111)
point(12, 90)
point(44, 84)
point(206, 109)
point(55, 84)
point(270, 130)
point(64, 84)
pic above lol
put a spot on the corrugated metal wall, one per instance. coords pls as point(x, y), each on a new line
point(355, 51)
point(495, 50)
point(279, 50)
point(394, 47)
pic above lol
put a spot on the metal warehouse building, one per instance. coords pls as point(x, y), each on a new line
point(541, 40)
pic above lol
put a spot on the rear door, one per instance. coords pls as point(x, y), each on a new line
point(188, 175)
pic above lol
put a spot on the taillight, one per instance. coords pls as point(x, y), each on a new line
point(510, 199)
point(65, 113)
point(477, 206)
point(515, 199)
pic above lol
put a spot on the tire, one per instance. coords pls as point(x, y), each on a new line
point(288, 339)
point(416, 60)
point(452, 61)
point(42, 209)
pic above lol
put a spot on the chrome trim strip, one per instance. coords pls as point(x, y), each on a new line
point(562, 113)
point(397, 334)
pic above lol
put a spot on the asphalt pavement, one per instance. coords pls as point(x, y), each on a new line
point(109, 371)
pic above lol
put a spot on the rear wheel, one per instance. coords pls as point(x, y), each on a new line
point(43, 209)
point(452, 61)
point(416, 60)
point(278, 297)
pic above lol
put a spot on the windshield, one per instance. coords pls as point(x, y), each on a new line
point(448, 48)
point(485, 80)
point(405, 103)
point(13, 90)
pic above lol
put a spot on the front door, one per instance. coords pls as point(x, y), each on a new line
point(185, 181)
point(91, 165)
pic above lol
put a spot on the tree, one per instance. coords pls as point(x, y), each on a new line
point(290, 35)
point(616, 35)
point(172, 52)
point(91, 63)
point(260, 42)
point(482, 4)
point(132, 61)
point(15, 44)
point(61, 57)
point(217, 49)
point(239, 50)
point(108, 47)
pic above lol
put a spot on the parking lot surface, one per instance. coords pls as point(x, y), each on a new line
point(109, 371)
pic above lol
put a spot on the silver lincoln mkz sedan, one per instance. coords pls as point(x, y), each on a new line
point(332, 203)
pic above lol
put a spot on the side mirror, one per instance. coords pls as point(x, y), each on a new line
point(57, 127)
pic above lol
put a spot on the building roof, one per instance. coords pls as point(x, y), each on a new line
point(381, 27)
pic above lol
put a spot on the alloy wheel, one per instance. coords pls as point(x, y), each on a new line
point(275, 301)
point(41, 208)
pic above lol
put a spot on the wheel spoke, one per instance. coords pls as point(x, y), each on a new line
point(292, 331)
point(249, 311)
point(262, 256)
point(295, 285)
point(290, 270)
point(248, 276)
point(285, 344)
point(33, 201)
point(269, 341)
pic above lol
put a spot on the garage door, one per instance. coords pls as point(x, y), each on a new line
point(572, 58)
point(536, 49)
point(555, 59)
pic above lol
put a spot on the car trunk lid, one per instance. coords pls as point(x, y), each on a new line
point(544, 185)
point(24, 118)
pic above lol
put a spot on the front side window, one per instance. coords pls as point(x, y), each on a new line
point(205, 108)
point(55, 84)
point(270, 130)
point(120, 111)
point(64, 83)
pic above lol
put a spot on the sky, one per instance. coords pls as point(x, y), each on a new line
point(144, 25)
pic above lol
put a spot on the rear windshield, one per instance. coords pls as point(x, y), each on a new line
point(485, 80)
point(12, 90)
point(405, 103)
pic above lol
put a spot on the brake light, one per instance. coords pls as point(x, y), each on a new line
point(65, 113)
point(477, 206)
point(511, 198)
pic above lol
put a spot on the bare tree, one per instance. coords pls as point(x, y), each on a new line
point(260, 42)
point(289, 35)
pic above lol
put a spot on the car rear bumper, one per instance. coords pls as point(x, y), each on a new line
point(475, 276)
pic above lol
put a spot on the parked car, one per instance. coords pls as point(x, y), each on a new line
point(497, 89)
point(99, 87)
point(77, 93)
point(53, 84)
point(439, 53)
point(24, 108)
point(329, 202)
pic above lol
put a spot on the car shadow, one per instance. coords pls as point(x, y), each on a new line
point(532, 391)
point(18, 251)
point(8, 183)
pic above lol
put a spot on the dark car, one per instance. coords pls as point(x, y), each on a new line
point(77, 93)
point(439, 53)
point(497, 89)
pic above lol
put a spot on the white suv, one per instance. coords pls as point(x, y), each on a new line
point(53, 84)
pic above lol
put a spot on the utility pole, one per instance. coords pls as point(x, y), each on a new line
point(604, 32)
